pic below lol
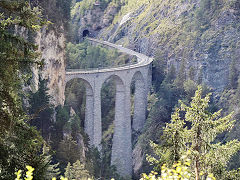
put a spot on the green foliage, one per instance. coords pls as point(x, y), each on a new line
point(29, 174)
point(195, 130)
point(75, 94)
point(189, 87)
point(171, 75)
point(68, 151)
point(20, 144)
point(181, 77)
point(191, 73)
point(49, 169)
point(67, 138)
point(84, 55)
point(108, 104)
point(179, 171)
point(62, 117)
point(200, 76)
point(233, 75)
point(68, 171)
point(56, 11)
point(76, 171)
point(81, 7)
point(229, 101)
point(16, 54)
point(159, 69)
point(202, 14)
point(41, 109)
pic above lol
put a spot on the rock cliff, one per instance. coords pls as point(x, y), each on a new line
point(202, 33)
point(52, 47)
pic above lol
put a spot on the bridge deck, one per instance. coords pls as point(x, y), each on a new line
point(143, 60)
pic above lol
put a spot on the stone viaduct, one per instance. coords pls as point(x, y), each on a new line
point(141, 74)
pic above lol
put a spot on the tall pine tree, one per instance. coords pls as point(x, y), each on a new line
point(193, 128)
point(20, 144)
point(41, 109)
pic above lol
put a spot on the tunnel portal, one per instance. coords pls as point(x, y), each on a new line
point(86, 33)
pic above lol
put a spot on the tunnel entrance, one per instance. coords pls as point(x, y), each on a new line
point(86, 33)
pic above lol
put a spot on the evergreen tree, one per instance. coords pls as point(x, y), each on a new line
point(200, 76)
point(189, 87)
point(171, 75)
point(20, 144)
point(75, 126)
point(62, 117)
point(68, 151)
point(68, 171)
point(237, 94)
point(41, 109)
point(159, 68)
point(49, 169)
point(76, 171)
point(191, 73)
point(181, 77)
point(79, 171)
point(193, 128)
point(233, 75)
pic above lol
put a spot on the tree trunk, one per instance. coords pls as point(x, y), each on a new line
point(196, 169)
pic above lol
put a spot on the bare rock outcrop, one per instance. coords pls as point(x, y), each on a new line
point(52, 47)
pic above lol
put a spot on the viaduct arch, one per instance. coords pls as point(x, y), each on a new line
point(123, 76)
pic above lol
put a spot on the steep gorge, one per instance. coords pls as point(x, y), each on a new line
point(51, 42)
point(203, 33)
point(197, 40)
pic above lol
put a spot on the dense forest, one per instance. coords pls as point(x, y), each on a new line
point(193, 118)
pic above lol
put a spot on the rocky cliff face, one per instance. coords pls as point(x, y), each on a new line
point(95, 19)
point(51, 44)
point(177, 36)
point(203, 35)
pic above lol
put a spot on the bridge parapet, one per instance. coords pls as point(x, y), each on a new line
point(143, 60)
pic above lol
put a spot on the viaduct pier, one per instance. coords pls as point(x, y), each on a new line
point(140, 73)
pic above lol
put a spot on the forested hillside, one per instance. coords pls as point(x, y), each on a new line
point(193, 42)
point(196, 49)
point(20, 144)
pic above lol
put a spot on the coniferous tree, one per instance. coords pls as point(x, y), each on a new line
point(233, 75)
point(181, 76)
point(171, 75)
point(191, 73)
point(189, 87)
point(79, 171)
point(159, 68)
point(68, 151)
point(200, 76)
point(76, 171)
point(41, 109)
point(49, 169)
point(20, 144)
point(68, 171)
point(193, 128)
point(237, 95)
point(62, 117)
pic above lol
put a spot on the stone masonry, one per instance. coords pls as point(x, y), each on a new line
point(139, 73)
